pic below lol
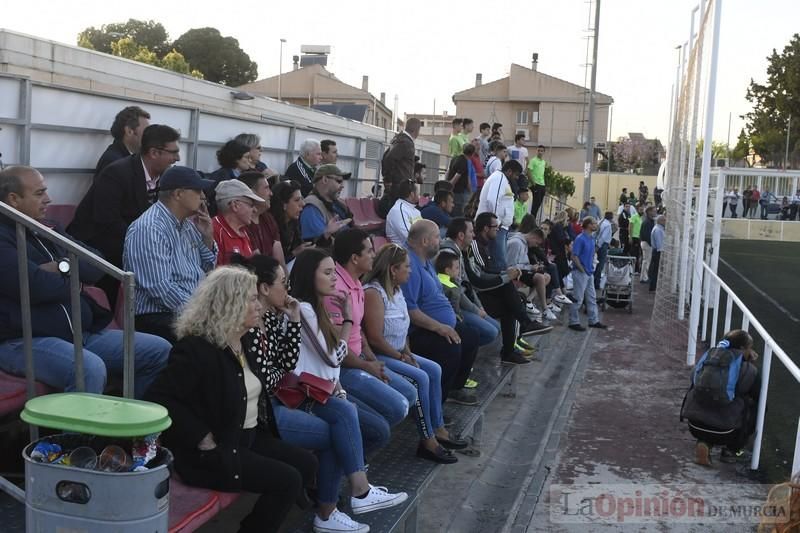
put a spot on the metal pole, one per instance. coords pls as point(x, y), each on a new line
point(683, 272)
point(280, 70)
point(25, 310)
point(129, 355)
point(587, 169)
point(77, 323)
point(608, 143)
point(786, 156)
point(702, 202)
point(728, 142)
point(766, 364)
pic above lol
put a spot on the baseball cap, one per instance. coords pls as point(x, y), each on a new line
point(183, 178)
point(330, 170)
point(229, 189)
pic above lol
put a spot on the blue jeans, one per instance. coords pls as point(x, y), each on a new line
point(54, 359)
point(427, 380)
point(602, 254)
point(392, 400)
point(582, 289)
point(497, 247)
point(332, 431)
point(488, 328)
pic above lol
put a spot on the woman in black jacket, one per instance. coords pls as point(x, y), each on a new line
point(223, 436)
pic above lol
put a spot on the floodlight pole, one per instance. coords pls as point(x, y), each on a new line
point(280, 69)
point(786, 157)
point(587, 168)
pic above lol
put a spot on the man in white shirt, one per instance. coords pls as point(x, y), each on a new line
point(495, 161)
point(518, 152)
point(604, 233)
point(497, 197)
point(403, 213)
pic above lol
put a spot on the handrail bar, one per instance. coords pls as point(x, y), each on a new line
point(770, 347)
point(785, 359)
point(74, 252)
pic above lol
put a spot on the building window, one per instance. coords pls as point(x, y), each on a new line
point(522, 117)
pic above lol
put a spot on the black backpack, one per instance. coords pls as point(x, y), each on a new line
point(716, 375)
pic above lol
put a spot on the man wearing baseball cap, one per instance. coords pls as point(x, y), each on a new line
point(169, 249)
point(237, 206)
point(323, 214)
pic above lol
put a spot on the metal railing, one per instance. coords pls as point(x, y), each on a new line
point(75, 253)
point(714, 287)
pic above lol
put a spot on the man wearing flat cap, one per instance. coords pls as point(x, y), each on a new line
point(323, 214)
point(237, 206)
point(169, 249)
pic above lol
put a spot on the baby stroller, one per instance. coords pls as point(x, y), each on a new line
point(618, 289)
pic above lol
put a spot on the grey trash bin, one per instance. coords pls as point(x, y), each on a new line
point(64, 499)
point(67, 499)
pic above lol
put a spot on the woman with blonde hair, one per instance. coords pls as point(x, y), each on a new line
point(221, 435)
point(386, 323)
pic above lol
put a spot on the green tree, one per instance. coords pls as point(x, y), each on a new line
point(149, 34)
point(719, 150)
point(219, 58)
point(741, 150)
point(774, 102)
point(558, 184)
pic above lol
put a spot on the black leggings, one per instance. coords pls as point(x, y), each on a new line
point(505, 304)
point(279, 472)
point(456, 360)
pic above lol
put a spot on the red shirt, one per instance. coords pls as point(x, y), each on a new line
point(479, 171)
point(264, 234)
point(229, 241)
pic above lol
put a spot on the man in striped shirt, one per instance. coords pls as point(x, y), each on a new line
point(169, 249)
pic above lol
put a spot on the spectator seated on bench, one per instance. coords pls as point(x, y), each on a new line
point(324, 214)
point(169, 249)
point(386, 323)
point(221, 436)
point(24, 189)
point(332, 428)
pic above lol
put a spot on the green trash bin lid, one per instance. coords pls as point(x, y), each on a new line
point(96, 414)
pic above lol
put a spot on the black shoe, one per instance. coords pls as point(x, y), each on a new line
point(598, 325)
point(440, 456)
point(576, 327)
point(463, 397)
point(453, 443)
point(534, 328)
point(514, 358)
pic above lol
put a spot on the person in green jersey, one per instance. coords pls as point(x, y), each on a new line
point(467, 125)
point(521, 204)
point(536, 168)
point(456, 142)
point(635, 230)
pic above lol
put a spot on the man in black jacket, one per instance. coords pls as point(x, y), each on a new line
point(497, 292)
point(120, 194)
point(398, 162)
point(49, 270)
point(127, 130)
point(644, 241)
point(303, 169)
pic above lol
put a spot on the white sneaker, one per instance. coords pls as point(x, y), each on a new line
point(548, 314)
point(533, 312)
point(562, 299)
point(554, 307)
point(337, 522)
point(377, 498)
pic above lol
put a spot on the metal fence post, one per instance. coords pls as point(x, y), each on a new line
point(77, 322)
point(762, 406)
point(25, 311)
point(128, 284)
